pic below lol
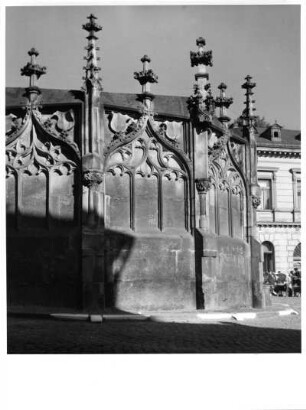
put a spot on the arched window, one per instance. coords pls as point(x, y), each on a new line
point(297, 255)
point(268, 256)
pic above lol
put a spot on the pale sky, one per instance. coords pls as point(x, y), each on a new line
point(263, 41)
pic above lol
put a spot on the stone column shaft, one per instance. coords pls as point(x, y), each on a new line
point(93, 232)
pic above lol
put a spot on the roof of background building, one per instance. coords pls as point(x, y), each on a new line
point(172, 106)
point(166, 105)
point(290, 139)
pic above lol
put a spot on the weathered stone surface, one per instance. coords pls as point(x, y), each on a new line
point(150, 272)
point(223, 271)
point(174, 205)
point(146, 203)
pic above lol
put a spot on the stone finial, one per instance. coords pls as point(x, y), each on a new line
point(146, 77)
point(201, 104)
point(248, 116)
point(34, 71)
point(248, 85)
point(92, 69)
point(201, 57)
point(200, 42)
point(145, 58)
point(33, 51)
point(92, 26)
point(222, 86)
point(223, 103)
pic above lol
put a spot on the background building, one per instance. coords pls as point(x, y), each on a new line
point(279, 212)
point(279, 178)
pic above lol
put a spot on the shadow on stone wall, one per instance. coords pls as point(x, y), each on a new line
point(44, 264)
point(117, 248)
point(200, 302)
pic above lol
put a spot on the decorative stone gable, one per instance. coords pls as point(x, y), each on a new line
point(41, 146)
point(152, 168)
point(228, 190)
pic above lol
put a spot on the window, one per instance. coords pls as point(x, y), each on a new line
point(266, 194)
point(268, 256)
point(297, 252)
point(297, 256)
point(298, 194)
point(296, 182)
point(267, 181)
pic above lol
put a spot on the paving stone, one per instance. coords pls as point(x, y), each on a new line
point(277, 334)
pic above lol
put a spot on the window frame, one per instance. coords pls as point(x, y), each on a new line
point(268, 173)
point(296, 177)
point(262, 190)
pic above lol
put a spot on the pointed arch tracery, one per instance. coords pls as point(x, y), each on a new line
point(37, 154)
point(229, 193)
point(157, 181)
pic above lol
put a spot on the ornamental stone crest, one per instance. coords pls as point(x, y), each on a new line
point(132, 131)
point(223, 172)
point(256, 201)
point(92, 179)
point(197, 106)
point(203, 185)
point(33, 148)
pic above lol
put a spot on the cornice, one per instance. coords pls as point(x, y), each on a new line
point(278, 152)
point(279, 224)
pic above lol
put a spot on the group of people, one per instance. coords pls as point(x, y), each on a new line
point(281, 284)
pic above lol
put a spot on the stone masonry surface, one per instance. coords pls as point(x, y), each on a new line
point(262, 335)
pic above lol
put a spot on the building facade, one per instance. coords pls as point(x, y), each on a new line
point(279, 215)
point(132, 201)
point(279, 212)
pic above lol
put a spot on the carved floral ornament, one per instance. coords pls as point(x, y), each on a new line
point(126, 129)
point(256, 201)
point(146, 76)
point(203, 185)
point(223, 173)
point(92, 179)
point(171, 130)
point(33, 148)
point(13, 124)
point(237, 151)
point(217, 146)
point(126, 133)
point(146, 156)
point(198, 108)
point(201, 57)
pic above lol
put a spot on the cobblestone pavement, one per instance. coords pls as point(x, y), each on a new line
point(262, 335)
